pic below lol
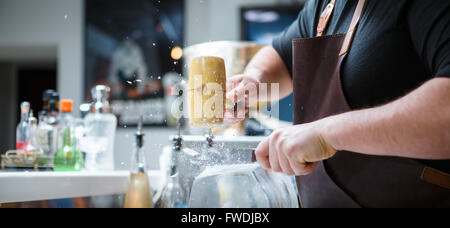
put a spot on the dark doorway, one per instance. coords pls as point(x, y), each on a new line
point(31, 84)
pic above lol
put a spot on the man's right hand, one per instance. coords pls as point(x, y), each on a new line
point(242, 90)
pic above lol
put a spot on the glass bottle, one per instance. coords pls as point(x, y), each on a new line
point(100, 129)
point(23, 128)
point(138, 192)
point(53, 113)
point(31, 147)
point(173, 194)
point(67, 157)
point(46, 106)
point(46, 137)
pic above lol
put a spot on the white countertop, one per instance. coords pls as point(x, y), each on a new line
point(37, 186)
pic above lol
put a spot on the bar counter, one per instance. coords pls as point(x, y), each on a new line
point(38, 186)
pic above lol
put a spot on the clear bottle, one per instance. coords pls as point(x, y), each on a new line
point(23, 128)
point(67, 157)
point(173, 194)
point(100, 129)
point(138, 192)
point(46, 133)
point(31, 147)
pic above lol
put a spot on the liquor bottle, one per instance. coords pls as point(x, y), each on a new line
point(53, 113)
point(23, 128)
point(100, 128)
point(138, 192)
point(46, 137)
point(46, 105)
point(67, 157)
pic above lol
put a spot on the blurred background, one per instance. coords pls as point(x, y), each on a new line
point(133, 46)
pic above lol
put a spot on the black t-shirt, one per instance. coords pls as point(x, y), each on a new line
point(398, 46)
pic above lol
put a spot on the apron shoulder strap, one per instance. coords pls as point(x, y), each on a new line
point(325, 20)
point(353, 27)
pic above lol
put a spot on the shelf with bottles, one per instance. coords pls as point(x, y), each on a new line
point(61, 142)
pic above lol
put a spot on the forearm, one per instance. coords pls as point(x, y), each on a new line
point(268, 67)
point(416, 126)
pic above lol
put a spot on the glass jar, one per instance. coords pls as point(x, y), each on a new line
point(242, 186)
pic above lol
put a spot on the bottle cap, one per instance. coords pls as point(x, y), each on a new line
point(48, 94)
point(66, 105)
point(25, 107)
point(31, 119)
point(100, 92)
point(100, 95)
point(140, 133)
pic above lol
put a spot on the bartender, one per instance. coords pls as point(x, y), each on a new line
point(371, 103)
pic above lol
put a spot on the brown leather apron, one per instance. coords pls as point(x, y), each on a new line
point(352, 179)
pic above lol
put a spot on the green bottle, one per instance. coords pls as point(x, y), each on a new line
point(67, 157)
